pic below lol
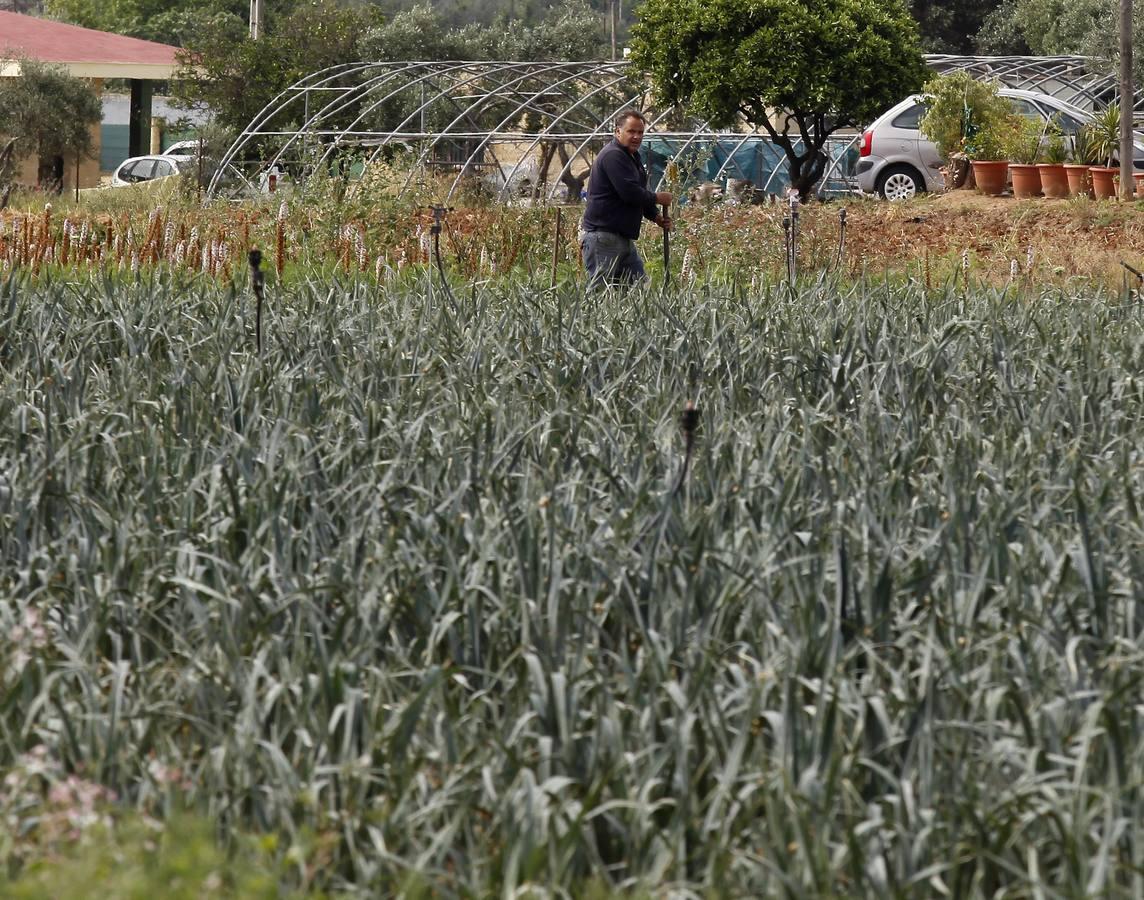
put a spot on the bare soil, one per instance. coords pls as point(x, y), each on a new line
point(1051, 241)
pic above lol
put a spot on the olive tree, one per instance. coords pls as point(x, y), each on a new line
point(800, 69)
point(48, 112)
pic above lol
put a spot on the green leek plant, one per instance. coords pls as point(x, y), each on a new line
point(417, 597)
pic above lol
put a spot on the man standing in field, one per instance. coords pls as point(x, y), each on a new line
point(618, 201)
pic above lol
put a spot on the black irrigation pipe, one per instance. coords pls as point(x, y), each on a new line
point(257, 281)
point(688, 423)
point(435, 230)
point(841, 238)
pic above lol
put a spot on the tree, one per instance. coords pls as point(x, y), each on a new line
point(157, 20)
point(421, 32)
point(816, 65)
point(236, 77)
point(1053, 27)
point(949, 26)
point(26, 7)
point(49, 112)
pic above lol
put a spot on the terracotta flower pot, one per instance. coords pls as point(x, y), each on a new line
point(1054, 180)
point(1026, 180)
point(1104, 181)
point(990, 175)
point(1080, 182)
point(1138, 178)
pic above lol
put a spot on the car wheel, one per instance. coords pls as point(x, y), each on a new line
point(900, 183)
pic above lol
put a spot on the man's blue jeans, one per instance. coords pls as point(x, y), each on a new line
point(611, 259)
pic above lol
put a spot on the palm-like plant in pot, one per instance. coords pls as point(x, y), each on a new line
point(1104, 134)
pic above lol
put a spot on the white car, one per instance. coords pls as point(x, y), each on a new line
point(147, 168)
point(896, 162)
point(189, 148)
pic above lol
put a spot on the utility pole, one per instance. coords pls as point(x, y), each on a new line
point(255, 19)
point(1127, 101)
point(612, 19)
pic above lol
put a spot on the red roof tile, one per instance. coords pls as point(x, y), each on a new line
point(54, 42)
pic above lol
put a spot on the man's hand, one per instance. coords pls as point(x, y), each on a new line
point(663, 198)
point(664, 222)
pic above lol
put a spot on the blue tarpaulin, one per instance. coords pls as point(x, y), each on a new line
point(753, 158)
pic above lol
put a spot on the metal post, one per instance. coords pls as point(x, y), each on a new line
point(793, 261)
point(612, 18)
point(1127, 96)
point(255, 19)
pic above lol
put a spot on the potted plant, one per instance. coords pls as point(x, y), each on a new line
point(966, 119)
point(1081, 159)
point(1054, 177)
point(1105, 134)
point(1021, 142)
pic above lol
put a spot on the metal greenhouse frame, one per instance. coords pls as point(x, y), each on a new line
point(519, 130)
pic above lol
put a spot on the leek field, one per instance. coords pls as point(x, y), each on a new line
point(435, 597)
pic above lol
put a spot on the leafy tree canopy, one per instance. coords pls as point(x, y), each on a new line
point(49, 111)
point(1060, 27)
point(155, 20)
point(949, 26)
point(569, 31)
point(236, 77)
point(826, 63)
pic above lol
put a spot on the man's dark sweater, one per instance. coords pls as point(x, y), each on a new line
point(618, 197)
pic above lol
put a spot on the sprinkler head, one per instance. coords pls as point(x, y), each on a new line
point(689, 419)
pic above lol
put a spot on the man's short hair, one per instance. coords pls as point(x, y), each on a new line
point(623, 115)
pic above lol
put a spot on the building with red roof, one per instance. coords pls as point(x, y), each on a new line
point(95, 56)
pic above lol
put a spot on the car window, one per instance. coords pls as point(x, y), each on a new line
point(162, 168)
point(909, 118)
point(139, 171)
point(1025, 108)
point(1068, 124)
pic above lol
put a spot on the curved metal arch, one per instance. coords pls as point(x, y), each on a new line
point(422, 80)
point(548, 134)
point(587, 92)
point(593, 135)
point(516, 112)
point(1079, 80)
point(340, 103)
point(601, 128)
point(297, 90)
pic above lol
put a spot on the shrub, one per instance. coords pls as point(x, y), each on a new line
point(965, 116)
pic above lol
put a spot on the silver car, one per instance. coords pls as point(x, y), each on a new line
point(896, 162)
